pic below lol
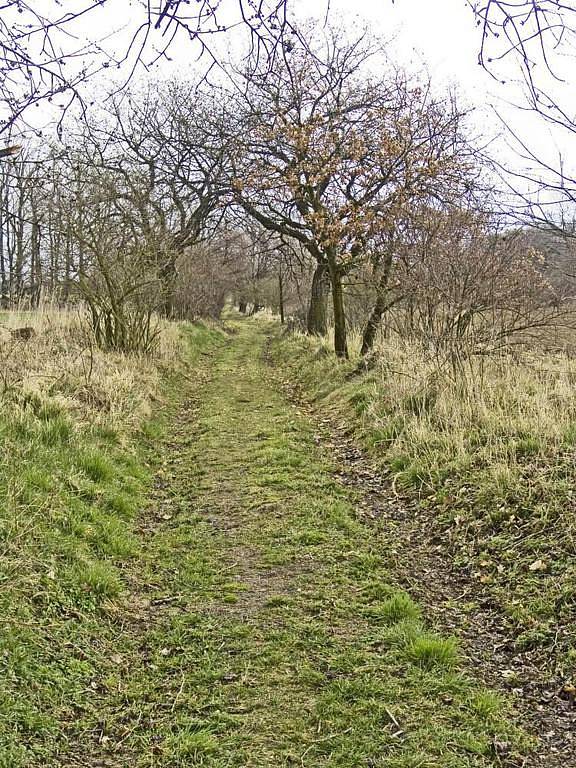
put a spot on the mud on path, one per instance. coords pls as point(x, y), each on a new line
point(264, 624)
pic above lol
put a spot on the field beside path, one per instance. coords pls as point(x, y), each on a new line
point(76, 471)
point(208, 589)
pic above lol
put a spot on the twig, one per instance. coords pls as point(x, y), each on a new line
point(398, 732)
point(178, 694)
point(170, 599)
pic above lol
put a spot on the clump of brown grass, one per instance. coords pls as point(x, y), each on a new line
point(486, 410)
point(61, 361)
point(497, 408)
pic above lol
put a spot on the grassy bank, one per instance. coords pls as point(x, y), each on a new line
point(490, 456)
point(75, 472)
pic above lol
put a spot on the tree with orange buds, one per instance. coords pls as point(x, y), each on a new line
point(332, 152)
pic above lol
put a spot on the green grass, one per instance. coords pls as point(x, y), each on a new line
point(69, 500)
point(431, 652)
point(95, 465)
point(398, 607)
point(275, 650)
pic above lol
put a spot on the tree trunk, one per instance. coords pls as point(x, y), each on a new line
point(316, 322)
point(373, 324)
point(3, 219)
point(35, 266)
point(68, 267)
point(20, 252)
point(380, 307)
point(340, 344)
point(281, 297)
point(167, 275)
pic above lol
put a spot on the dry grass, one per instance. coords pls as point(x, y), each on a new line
point(501, 409)
point(60, 361)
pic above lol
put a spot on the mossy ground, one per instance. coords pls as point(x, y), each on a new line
point(246, 618)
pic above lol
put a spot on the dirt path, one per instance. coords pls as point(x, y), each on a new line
point(263, 626)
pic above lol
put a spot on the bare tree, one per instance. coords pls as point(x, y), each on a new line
point(167, 162)
point(467, 287)
point(118, 279)
point(534, 41)
point(23, 193)
point(532, 32)
point(42, 56)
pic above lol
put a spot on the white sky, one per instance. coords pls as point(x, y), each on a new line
point(439, 35)
point(442, 36)
point(446, 40)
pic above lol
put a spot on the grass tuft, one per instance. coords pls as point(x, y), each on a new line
point(487, 704)
point(399, 607)
point(95, 465)
point(189, 747)
point(431, 651)
point(56, 431)
point(98, 578)
point(401, 634)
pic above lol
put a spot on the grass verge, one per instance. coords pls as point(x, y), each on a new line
point(491, 458)
point(73, 482)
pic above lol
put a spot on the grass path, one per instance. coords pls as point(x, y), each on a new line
point(261, 626)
